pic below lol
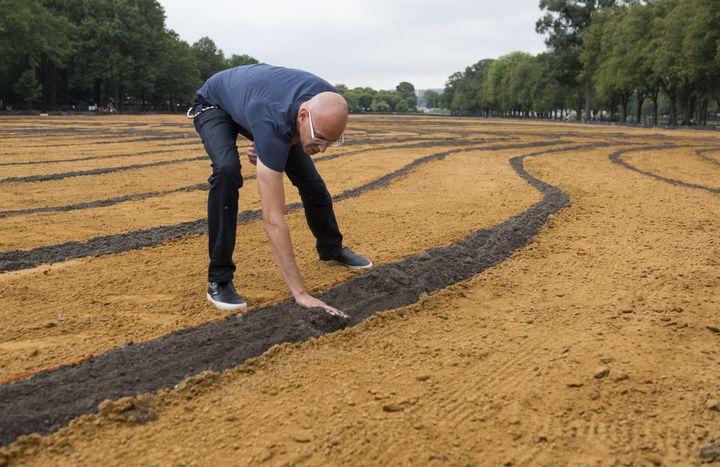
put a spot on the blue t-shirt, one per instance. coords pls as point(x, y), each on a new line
point(264, 100)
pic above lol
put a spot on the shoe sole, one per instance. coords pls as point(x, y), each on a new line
point(226, 306)
point(367, 266)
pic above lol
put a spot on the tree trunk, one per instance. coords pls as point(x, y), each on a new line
point(640, 101)
point(588, 102)
point(97, 91)
point(689, 108)
point(672, 94)
point(702, 118)
point(623, 107)
point(654, 94)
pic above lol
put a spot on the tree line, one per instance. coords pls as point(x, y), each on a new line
point(119, 54)
point(606, 60)
point(364, 99)
point(68, 54)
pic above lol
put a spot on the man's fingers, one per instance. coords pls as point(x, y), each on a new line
point(336, 312)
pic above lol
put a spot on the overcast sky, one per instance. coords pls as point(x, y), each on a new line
point(375, 43)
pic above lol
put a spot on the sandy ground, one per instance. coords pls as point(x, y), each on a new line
point(596, 344)
point(68, 323)
point(20, 232)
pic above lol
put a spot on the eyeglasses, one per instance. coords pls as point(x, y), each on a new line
point(322, 141)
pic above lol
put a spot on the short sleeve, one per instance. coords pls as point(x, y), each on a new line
point(272, 149)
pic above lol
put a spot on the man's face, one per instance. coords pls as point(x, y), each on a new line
point(316, 135)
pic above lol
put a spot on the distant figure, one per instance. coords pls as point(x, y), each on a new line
point(289, 115)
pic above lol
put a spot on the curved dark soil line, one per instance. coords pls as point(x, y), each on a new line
point(616, 157)
point(204, 186)
point(105, 202)
point(89, 158)
point(108, 139)
point(49, 400)
point(119, 243)
point(357, 142)
point(101, 171)
point(703, 153)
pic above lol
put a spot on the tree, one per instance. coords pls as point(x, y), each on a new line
point(549, 96)
point(27, 88)
point(466, 92)
point(564, 23)
point(178, 75)
point(701, 45)
point(406, 90)
point(239, 60)
point(379, 105)
point(402, 106)
point(366, 96)
point(433, 99)
point(667, 42)
point(209, 58)
point(31, 37)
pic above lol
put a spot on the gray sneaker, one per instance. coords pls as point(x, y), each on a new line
point(224, 296)
point(348, 258)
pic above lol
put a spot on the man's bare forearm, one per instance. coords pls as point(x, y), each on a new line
point(282, 250)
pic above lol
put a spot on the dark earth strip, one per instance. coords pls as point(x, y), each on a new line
point(51, 399)
point(205, 186)
point(348, 142)
point(104, 170)
point(117, 243)
point(616, 157)
point(454, 123)
point(90, 158)
point(108, 139)
point(703, 153)
point(119, 129)
point(104, 202)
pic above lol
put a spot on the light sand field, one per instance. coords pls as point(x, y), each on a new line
point(597, 341)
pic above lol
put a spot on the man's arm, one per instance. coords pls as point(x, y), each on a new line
point(272, 200)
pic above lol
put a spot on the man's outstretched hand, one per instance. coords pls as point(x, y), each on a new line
point(308, 301)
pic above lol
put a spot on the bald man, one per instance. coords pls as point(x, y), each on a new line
point(289, 115)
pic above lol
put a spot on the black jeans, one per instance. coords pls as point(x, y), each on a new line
point(219, 135)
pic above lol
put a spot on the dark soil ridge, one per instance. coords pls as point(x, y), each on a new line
point(99, 171)
point(616, 157)
point(205, 186)
point(50, 400)
point(118, 129)
point(349, 142)
point(703, 154)
point(118, 243)
point(89, 158)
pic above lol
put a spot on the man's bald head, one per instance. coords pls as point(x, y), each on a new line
point(329, 108)
point(329, 114)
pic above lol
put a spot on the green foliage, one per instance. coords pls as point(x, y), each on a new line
point(379, 105)
point(239, 60)
point(433, 99)
point(610, 53)
point(402, 99)
point(93, 51)
point(406, 91)
point(28, 88)
point(209, 58)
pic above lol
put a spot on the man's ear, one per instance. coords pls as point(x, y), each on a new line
point(303, 111)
